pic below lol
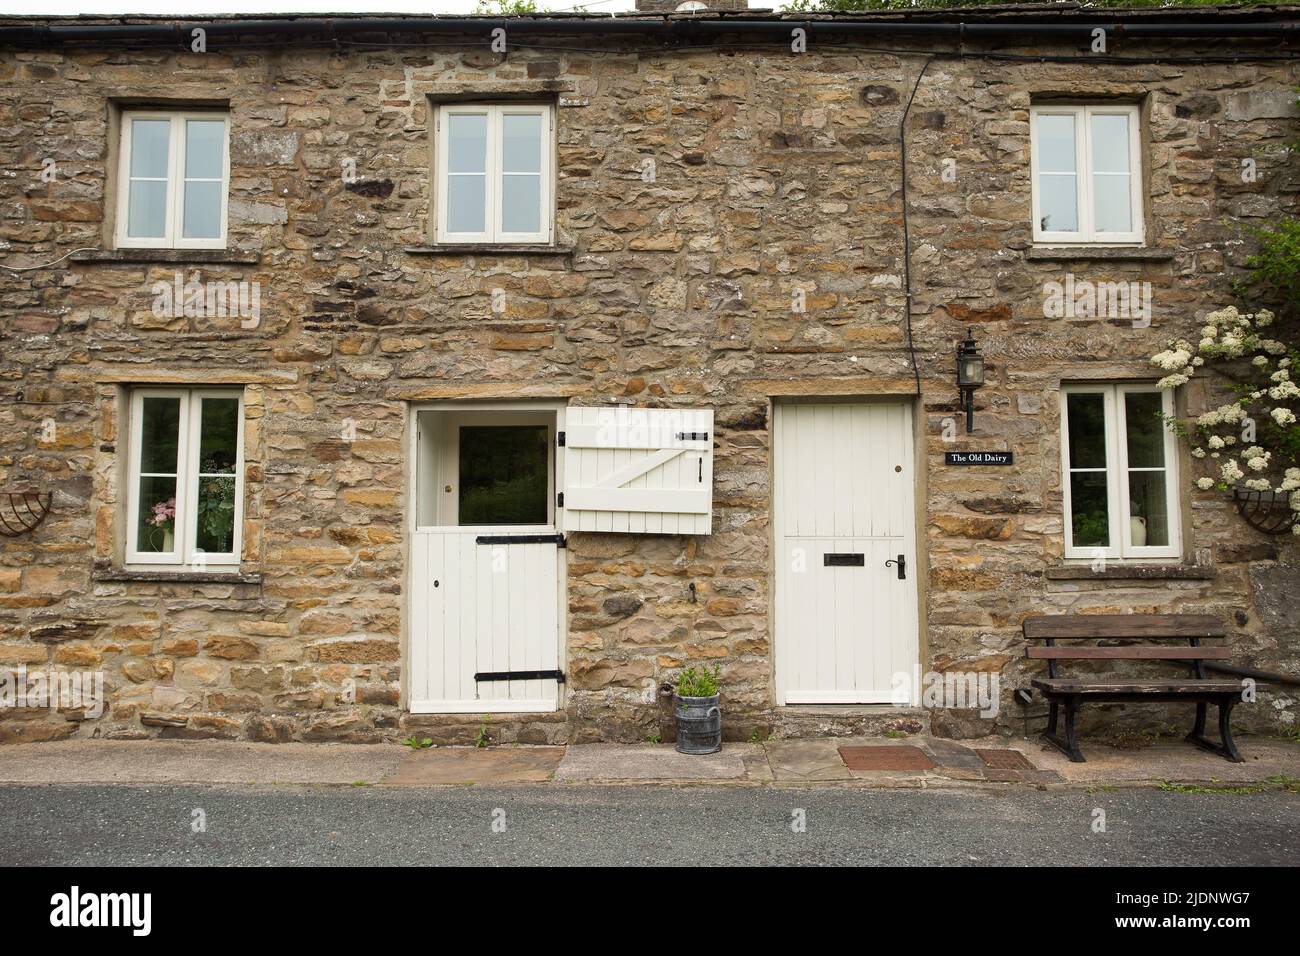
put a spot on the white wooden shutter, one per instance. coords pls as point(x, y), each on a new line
point(638, 470)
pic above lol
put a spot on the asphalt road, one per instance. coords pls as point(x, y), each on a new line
point(627, 826)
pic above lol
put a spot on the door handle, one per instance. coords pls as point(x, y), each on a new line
point(902, 567)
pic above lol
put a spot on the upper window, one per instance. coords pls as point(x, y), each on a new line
point(185, 497)
point(494, 173)
point(173, 173)
point(1120, 483)
point(1087, 175)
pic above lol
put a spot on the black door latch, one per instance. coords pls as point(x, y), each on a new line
point(902, 567)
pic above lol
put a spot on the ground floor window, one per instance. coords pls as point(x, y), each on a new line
point(1119, 472)
point(185, 490)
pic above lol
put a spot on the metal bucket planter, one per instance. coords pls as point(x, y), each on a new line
point(699, 724)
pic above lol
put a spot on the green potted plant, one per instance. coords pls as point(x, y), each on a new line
point(695, 709)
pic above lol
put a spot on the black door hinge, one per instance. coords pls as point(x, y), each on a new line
point(559, 437)
point(559, 500)
point(557, 675)
point(555, 539)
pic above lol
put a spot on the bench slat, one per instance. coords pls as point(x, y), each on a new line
point(1068, 685)
point(1130, 653)
point(1123, 626)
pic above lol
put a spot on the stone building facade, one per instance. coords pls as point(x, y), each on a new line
point(728, 235)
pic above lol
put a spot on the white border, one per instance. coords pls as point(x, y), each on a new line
point(1086, 233)
point(493, 172)
point(185, 529)
point(174, 236)
point(1117, 486)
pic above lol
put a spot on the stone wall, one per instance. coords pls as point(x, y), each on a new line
point(773, 172)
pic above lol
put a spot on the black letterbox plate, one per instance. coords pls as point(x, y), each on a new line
point(845, 559)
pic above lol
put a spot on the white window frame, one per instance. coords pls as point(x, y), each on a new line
point(174, 237)
point(492, 219)
point(1087, 233)
point(185, 530)
point(1118, 508)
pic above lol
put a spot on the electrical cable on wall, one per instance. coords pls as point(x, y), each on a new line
point(907, 242)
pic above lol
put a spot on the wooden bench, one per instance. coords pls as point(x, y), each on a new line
point(1125, 629)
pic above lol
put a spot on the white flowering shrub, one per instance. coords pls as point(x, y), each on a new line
point(1252, 442)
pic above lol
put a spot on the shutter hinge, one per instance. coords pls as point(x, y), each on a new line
point(560, 438)
point(559, 500)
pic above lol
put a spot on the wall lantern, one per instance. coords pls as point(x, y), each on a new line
point(970, 375)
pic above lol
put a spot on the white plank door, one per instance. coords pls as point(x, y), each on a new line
point(483, 608)
point(844, 479)
point(480, 605)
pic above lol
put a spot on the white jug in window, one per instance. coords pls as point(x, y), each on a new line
point(1138, 531)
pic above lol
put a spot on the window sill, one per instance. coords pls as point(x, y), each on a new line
point(489, 249)
point(1103, 253)
point(177, 577)
point(180, 256)
point(1130, 572)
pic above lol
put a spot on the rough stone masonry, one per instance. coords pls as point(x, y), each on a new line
point(775, 171)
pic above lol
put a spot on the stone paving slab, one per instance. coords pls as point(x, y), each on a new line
point(807, 761)
point(591, 763)
point(1173, 760)
point(196, 761)
point(475, 766)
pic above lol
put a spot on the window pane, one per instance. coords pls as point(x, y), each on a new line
point(149, 144)
point(216, 515)
point(466, 203)
point(1146, 430)
point(521, 143)
point(218, 436)
point(146, 209)
point(1110, 143)
point(205, 148)
point(503, 474)
point(1056, 153)
point(466, 142)
point(159, 435)
point(521, 203)
point(1148, 508)
point(1058, 204)
point(1111, 198)
point(1086, 416)
point(155, 532)
point(202, 210)
point(1088, 502)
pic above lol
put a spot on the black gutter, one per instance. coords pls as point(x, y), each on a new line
point(666, 27)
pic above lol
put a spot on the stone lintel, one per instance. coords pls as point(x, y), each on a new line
point(500, 391)
point(847, 385)
point(480, 90)
point(212, 377)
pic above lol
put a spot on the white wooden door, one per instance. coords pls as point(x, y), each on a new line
point(485, 578)
point(483, 609)
point(843, 501)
